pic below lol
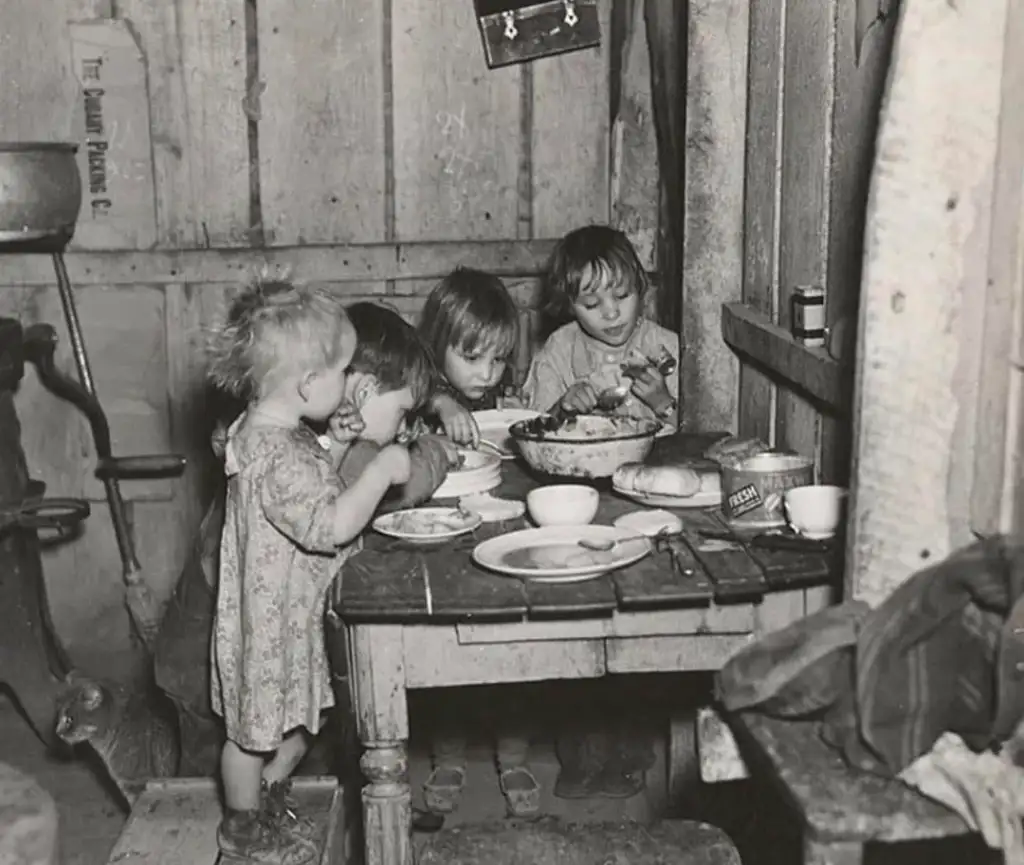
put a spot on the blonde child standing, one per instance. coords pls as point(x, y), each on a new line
point(598, 283)
point(288, 519)
point(471, 325)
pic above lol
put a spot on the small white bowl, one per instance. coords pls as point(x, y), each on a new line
point(815, 511)
point(563, 505)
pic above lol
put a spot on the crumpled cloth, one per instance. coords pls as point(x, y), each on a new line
point(986, 789)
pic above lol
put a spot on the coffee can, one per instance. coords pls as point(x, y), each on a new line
point(807, 315)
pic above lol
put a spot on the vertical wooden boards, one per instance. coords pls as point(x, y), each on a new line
point(761, 201)
point(195, 56)
point(997, 454)
point(716, 117)
point(456, 127)
point(808, 104)
point(933, 175)
point(321, 119)
point(570, 137)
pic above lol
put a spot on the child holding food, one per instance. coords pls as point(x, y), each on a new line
point(289, 523)
point(607, 348)
point(597, 285)
point(471, 325)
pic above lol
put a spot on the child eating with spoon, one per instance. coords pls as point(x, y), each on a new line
point(471, 325)
point(608, 356)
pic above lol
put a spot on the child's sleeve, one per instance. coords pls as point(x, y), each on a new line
point(548, 378)
point(298, 502)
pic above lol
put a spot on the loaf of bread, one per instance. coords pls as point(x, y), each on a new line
point(658, 480)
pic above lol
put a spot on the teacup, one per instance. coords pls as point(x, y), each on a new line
point(814, 511)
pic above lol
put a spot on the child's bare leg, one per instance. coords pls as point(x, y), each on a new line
point(241, 772)
point(289, 754)
point(443, 788)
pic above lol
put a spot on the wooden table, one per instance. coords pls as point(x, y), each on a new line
point(423, 618)
point(840, 809)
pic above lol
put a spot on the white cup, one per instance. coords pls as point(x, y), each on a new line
point(815, 511)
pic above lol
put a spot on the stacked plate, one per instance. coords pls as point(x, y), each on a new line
point(480, 472)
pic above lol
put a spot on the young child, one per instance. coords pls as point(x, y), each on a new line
point(471, 325)
point(284, 350)
point(598, 282)
point(390, 380)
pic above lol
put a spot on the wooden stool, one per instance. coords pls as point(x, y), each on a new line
point(28, 820)
point(550, 840)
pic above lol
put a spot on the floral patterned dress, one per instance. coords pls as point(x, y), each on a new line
point(277, 560)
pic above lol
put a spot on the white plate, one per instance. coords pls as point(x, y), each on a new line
point(414, 524)
point(697, 500)
point(650, 523)
point(494, 424)
point(553, 555)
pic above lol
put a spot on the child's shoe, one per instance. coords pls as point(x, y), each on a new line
point(249, 836)
point(283, 811)
point(521, 792)
point(443, 789)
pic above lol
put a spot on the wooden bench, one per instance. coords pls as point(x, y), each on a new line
point(551, 840)
point(840, 809)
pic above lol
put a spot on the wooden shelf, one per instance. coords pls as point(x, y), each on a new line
point(810, 371)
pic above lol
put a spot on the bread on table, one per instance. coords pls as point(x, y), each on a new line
point(669, 480)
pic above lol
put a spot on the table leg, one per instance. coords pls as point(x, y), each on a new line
point(378, 679)
point(833, 852)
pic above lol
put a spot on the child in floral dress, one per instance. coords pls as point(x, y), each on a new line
point(597, 283)
point(288, 521)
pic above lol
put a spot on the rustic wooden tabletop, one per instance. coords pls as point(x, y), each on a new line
point(391, 581)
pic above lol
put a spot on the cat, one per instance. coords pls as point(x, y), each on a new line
point(133, 729)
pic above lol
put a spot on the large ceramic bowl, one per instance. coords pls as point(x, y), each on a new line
point(588, 446)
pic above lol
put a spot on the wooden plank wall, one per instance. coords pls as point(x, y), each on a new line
point(276, 126)
point(817, 74)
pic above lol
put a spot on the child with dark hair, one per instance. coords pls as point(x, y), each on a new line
point(471, 325)
point(597, 284)
point(390, 379)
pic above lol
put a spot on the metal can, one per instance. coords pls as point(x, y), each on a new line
point(807, 315)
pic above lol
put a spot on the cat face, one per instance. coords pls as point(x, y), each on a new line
point(82, 710)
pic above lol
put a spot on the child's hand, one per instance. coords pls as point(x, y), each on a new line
point(345, 424)
point(395, 461)
point(650, 388)
point(458, 423)
point(581, 397)
point(435, 456)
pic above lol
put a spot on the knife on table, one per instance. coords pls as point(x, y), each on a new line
point(771, 541)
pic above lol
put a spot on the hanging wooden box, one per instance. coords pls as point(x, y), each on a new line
point(518, 30)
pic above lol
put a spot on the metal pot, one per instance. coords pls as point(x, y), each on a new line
point(40, 191)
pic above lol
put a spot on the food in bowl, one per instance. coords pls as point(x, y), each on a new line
point(562, 505)
point(586, 446)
